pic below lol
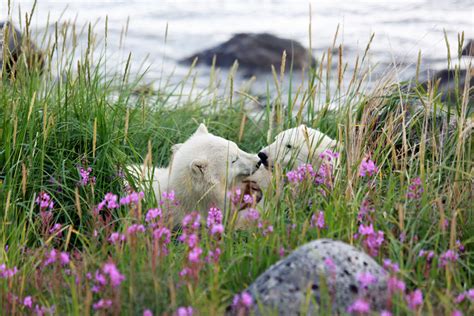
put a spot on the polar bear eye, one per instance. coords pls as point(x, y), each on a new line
point(288, 146)
point(235, 159)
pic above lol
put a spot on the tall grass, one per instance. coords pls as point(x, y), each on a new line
point(78, 113)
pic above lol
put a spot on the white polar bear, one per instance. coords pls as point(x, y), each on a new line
point(291, 148)
point(201, 171)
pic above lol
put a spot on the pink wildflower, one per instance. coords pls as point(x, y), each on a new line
point(44, 201)
point(132, 198)
point(446, 257)
point(318, 221)
point(28, 302)
point(367, 168)
point(252, 214)
point(109, 202)
point(242, 302)
point(85, 176)
point(415, 189)
point(133, 229)
point(116, 237)
point(7, 273)
point(152, 214)
point(114, 274)
point(102, 304)
point(385, 313)
point(194, 255)
point(391, 266)
point(147, 312)
point(395, 285)
point(359, 306)
point(170, 196)
point(184, 311)
point(456, 312)
point(414, 299)
point(372, 241)
point(366, 279)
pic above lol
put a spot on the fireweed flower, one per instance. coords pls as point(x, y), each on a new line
point(366, 279)
point(55, 256)
point(447, 257)
point(147, 312)
point(114, 274)
point(372, 240)
point(44, 201)
point(132, 198)
point(56, 228)
point(28, 302)
point(242, 302)
point(153, 214)
point(304, 171)
point(85, 176)
point(385, 313)
point(391, 266)
point(367, 168)
point(265, 228)
point(429, 255)
point(456, 312)
point(415, 189)
point(135, 228)
point(170, 196)
point(189, 236)
point(116, 238)
point(162, 237)
point(252, 215)
point(460, 246)
point(214, 218)
point(365, 211)
point(235, 196)
point(318, 220)
point(395, 285)
point(109, 202)
point(6, 273)
point(414, 299)
point(359, 306)
point(184, 311)
point(102, 304)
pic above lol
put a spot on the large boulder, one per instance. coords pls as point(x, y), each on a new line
point(321, 267)
point(468, 50)
point(255, 52)
point(17, 45)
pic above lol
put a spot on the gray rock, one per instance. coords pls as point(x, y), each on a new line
point(468, 50)
point(305, 277)
point(255, 52)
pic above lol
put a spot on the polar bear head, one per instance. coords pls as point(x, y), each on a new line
point(206, 164)
point(296, 146)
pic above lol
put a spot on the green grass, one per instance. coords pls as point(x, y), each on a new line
point(90, 119)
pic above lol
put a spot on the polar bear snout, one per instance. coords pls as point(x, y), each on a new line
point(263, 158)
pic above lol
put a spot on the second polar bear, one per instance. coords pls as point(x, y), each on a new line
point(291, 148)
point(201, 171)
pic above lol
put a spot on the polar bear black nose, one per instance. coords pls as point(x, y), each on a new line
point(263, 157)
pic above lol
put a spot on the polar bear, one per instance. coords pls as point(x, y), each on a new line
point(291, 148)
point(201, 171)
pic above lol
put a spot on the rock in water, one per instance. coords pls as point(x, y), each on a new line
point(322, 267)
point(468, 50)
point(255, 52)
point(16, 45)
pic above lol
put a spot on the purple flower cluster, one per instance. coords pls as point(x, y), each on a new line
point(372, 240)
point(109, 202)
point(446, 257)
point(132, 198)
point(303, 172)
point(44, 201)
point(85, 175)
point(367, 168)
point(6, 273)
point(56, 256)
point(107, 277)
point(214, 221)
point(415, 189)
point(242, 303)
point(184, 311)
point(191, 223)
point(317, 220)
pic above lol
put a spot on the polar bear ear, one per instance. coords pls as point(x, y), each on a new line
point(202, 129)
point(175, 148)
point(199, 167)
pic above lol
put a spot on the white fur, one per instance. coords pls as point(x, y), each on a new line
point(201, 171)
point(291, 148)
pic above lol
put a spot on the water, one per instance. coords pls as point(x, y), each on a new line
point(162, 32)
